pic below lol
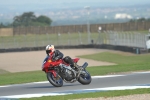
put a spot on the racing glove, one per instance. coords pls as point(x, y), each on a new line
point(54, 59)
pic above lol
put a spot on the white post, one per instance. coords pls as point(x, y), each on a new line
point(69, 42)
point(59, 39)
point(99, 30)
point(80, 38)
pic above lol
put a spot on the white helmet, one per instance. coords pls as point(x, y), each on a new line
point(50, 49)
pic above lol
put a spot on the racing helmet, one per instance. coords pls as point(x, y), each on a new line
point(50, 49)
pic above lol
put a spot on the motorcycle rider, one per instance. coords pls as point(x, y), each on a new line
point(56, 55)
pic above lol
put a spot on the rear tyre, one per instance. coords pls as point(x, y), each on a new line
point(57, 82)
point(85, 78)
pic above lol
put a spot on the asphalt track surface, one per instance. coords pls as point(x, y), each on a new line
point(98, 83)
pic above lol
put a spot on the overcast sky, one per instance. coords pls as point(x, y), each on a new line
point(4, 2)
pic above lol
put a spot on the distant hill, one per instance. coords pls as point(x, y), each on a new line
point(73, 12)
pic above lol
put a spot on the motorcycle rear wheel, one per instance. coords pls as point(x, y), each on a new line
point(85, 78)
point(57, 82)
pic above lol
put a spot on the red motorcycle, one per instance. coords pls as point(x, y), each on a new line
point(59, 71)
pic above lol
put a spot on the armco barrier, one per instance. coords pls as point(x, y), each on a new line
point(102, 46)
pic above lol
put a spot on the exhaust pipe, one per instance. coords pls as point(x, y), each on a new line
point(85, 65)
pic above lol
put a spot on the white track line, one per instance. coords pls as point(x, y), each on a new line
point(106, 76)
point(25, 84)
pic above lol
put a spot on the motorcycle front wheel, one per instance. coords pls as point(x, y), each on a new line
point(85, 78)
point(55, 81)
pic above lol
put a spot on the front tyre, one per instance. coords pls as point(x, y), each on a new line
point(57, 82)
point(85, 78)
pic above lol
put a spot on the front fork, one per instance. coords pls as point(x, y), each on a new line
point(53, 72)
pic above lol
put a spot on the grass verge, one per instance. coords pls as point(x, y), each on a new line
point(106, 94)
point(22, 77)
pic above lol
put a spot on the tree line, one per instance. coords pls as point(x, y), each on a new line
point(28, 19)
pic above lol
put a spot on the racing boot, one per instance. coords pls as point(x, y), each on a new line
point(74, 66)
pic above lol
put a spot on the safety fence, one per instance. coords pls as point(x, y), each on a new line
point(116, 38)
point(129, 26)
point(130, 39)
